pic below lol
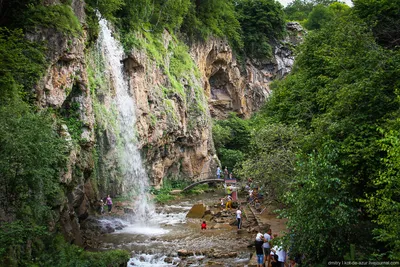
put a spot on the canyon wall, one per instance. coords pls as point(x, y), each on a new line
point(174, 114)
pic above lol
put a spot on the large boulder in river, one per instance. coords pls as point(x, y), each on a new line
point(197, 211)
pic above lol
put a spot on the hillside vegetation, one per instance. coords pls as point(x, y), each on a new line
point(325, 144)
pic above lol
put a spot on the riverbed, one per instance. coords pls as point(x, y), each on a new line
point(168, 238)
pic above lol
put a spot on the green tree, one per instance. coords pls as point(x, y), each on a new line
point(322, 213)
point(272, 158)
point(262, 23)
point(342, 89)
point(232, 139)
point(298, 10)
point(213, 17)
point(383, 17)
point(319, 16)
point(384, 204)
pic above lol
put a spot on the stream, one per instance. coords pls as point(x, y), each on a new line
point(157, 242)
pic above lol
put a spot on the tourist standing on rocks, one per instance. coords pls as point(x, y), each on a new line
point(226, 173)
point(228, 202)
point(204, 225)
point(239, 217)
point(219, 171)
point(109, 203)
point(222, 203)
point(259, 249)
point(267, 245)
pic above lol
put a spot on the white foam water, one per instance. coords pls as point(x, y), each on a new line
point(135, 179)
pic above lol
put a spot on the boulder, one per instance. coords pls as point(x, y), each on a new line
point(197, 211)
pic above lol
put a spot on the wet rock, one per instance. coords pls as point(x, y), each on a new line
point(184, 253)
point(169, 260)
point(129, 211)
point(197, 211)
point(208, 217)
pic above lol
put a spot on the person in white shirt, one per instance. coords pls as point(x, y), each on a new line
point(281, 253)
point(267, 245)
point(239, 217)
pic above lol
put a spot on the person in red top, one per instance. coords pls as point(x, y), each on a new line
point(204, 225)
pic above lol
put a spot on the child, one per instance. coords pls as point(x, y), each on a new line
point(222, 203)
point(204, 225)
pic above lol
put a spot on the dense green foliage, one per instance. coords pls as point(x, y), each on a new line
point(272, 154)
point(312, 14)
point(34, 246)
point(262, 24)
point(343, 88)
point(232, 140)
point(383, 17)
point(384, 203)
point(21, 65)
point(326, 143)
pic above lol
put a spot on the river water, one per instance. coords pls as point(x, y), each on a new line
point(156, 242)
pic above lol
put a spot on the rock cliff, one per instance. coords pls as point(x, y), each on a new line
point(173, 113)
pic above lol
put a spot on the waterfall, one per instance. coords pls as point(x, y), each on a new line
point(135, 179)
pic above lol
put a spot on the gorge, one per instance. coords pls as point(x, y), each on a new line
point(136, 98)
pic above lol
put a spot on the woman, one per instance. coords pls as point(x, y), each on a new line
point(109, 203)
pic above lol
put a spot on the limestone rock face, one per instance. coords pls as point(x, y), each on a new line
point(231, 87)
point(174, 129)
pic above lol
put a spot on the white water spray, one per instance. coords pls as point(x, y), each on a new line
point(136, 182)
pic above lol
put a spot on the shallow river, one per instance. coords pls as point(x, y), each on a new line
point(168, 230)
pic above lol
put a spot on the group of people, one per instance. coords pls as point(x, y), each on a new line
point(226, 173)
point(268, 251)
point(109, 204)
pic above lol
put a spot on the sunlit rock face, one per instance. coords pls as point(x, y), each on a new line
point(237, 87)
point(174, 131)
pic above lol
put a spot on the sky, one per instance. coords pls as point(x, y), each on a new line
point(285, 2)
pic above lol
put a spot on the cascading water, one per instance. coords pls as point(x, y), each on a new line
point(135, 181)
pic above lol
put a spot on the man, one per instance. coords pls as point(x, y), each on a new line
point(259, 249)
point(239, 217)
point(219, 172)
point(228, 202)
point(267, 246)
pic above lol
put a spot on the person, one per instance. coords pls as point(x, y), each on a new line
point(228, 202)
point(274, 259)
point(281, 253)
point(219, 172)
point(267, 246)
point(239, 217)
point(257, 205)
point(229, 190)
point(259, 250)
point(226, 173)
point(222, 203)
point(231, 176)
point(109, 203)
point(204, 225)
